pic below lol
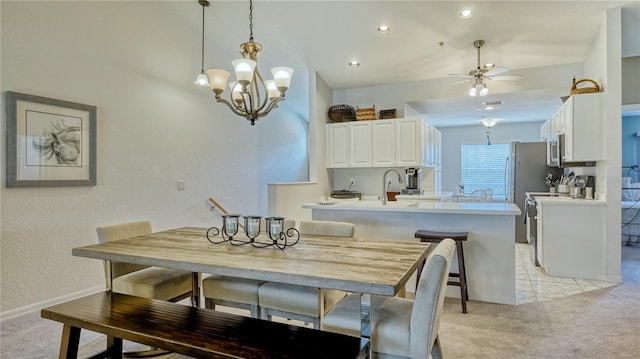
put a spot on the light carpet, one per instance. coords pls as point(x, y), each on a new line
point(603, 323)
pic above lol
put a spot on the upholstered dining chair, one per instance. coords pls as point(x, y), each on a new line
point(143, 281)
point(233, 292)
point(308, 304)
point(401, 328)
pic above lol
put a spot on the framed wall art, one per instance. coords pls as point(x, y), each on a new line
point(50, 143)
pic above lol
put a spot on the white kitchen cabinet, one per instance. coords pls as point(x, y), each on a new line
point(582, 131)
point(438, 149)
point(571, 238)
point(338, 145)
point(544, 131)
point(409, 141)
point(383, 134)
point(382, 143)
point(349, 144)
point(432, 154)
point(360, 144)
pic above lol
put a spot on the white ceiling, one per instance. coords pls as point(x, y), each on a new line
point(427, 41)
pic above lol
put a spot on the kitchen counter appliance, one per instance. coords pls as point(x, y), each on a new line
point(413, 179)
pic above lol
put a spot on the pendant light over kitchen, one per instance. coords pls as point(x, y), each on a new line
point(202, 79)
point(488, 123)
point(250, 95)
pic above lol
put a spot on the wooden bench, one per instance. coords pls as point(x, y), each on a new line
point(195, 332)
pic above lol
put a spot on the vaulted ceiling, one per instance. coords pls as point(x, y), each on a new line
point(427, 42)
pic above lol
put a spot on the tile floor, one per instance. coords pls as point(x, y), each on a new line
point(532, 285)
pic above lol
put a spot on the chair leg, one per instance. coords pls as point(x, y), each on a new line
point(436, 351)
point(264, 314)
point(255, 311)
point(464, 295)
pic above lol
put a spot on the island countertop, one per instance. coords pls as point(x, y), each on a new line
point(486, 208)
point(490, 248)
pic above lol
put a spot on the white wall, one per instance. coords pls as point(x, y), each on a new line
point(154, 128)
point(631, 80)
point(286, 199)
point(604, 65)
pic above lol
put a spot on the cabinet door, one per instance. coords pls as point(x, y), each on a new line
point(383, 143)
point(567, 113)
point(429, 147)
point(438, 148)
point(586, 128)
point(360, 144)
point(337, 145)
point(409, 142)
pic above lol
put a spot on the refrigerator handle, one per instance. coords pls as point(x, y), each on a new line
point(506, 185)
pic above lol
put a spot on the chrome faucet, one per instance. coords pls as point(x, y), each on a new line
point(384, 188)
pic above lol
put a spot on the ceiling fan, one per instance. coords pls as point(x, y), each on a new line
point(482, 73)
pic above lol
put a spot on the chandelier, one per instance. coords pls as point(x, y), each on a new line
point(250, 96)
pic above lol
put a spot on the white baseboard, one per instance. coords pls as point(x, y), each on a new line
point(28, 309)
point(613, 278)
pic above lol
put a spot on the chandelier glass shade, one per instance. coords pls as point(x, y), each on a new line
point(250, 95)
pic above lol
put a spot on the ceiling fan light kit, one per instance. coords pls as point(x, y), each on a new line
point(480, 74)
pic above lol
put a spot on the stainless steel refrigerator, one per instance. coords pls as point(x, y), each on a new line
point(526, 171)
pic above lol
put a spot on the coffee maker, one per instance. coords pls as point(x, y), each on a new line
point(585, 186)
point(413, 179)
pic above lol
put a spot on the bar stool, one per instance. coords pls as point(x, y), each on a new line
point(437, 237)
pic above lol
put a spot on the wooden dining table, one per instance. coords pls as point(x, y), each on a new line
point(357, 265)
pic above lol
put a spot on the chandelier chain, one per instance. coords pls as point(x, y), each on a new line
point(202, 50)
point(250, 20)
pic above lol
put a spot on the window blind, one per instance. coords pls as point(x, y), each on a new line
point(483, 167)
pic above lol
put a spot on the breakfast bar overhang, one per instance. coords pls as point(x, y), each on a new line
point(489, 251)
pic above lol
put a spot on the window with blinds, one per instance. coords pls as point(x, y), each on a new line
point(483, 167)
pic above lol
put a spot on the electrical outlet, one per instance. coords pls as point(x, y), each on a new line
point(353, 181)
point(180, 185)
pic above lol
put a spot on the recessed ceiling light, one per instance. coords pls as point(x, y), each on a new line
point(489, 65)
point(354, 63)
point(465, 14)
point(383, 29)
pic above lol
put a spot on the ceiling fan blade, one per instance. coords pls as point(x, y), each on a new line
point(461, 75)
point(457, 82)
point(505, 77)
point(496, 71)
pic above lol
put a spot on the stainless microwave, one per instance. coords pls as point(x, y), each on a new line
point(555, 153)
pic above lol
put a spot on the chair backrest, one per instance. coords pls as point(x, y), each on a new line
point(478, 195)
point(327, 228)
point(489, 193)
point(429, 300)
point(121, 231)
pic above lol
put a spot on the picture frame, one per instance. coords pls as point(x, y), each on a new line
point(50, 143)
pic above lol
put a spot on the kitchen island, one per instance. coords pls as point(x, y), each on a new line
point(489, 251)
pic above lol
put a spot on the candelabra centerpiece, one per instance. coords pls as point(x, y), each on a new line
point(277, 235)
